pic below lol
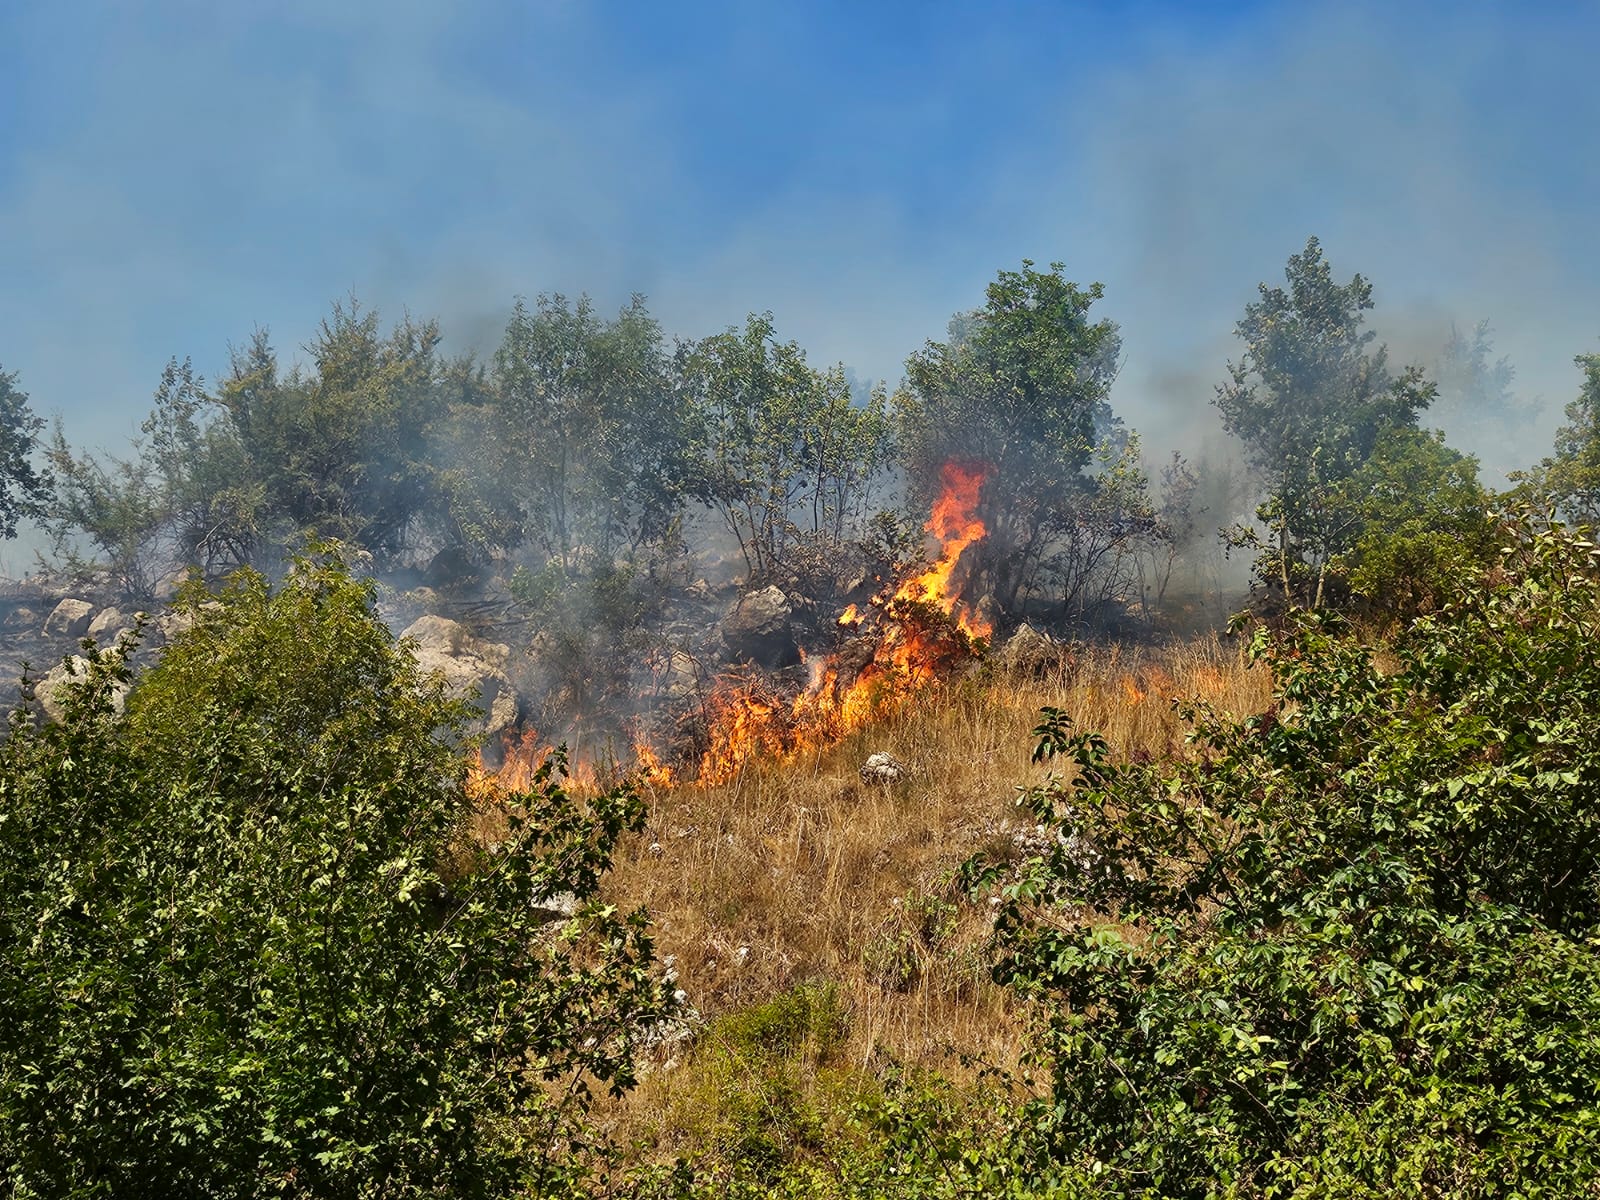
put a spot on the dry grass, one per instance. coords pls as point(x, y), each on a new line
point(802, 872)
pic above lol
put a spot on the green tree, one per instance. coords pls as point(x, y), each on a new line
point(25, 491)
point(187, 495)
point(782, 452)
point(589, 441)
point(1570, 478)
point(1020, 387)
point(1311, 398)
point(1351, 947)
point(110, 514)
point(1425, 521)
point(343, 451)
point(247, 947)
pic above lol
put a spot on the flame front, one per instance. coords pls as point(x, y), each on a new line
point(956, 524)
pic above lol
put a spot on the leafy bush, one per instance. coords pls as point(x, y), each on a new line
point(760, 1093)
point(916, 930)
point(246, 949)
point(1351, 948)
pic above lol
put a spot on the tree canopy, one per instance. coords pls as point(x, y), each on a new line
point(248, 947)
point(1310, 398)
point(25, 491)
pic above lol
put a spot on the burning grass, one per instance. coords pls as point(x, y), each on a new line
point(778, 870)
point(797, 873)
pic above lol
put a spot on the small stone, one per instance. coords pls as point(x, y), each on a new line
point(882, 767)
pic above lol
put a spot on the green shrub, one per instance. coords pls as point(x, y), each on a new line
point(1352, 948)
point(245, 948)
point(898, 955)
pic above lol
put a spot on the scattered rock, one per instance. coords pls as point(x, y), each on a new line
point(70, 618)
point(21, 618)
point(174, 623)
point(108, 624)
point(883, 767)
point(1029, 652)
point(467, 664)
point(558, 906)
point(51, 690)
point(758, 628)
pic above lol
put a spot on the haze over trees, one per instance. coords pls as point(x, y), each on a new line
point(590, 449)
point(24, 488)
point(266, 928)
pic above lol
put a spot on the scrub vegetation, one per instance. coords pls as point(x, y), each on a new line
point(924, 829)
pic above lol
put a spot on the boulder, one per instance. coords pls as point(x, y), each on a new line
point(468, 665)
point(758, 628)
point(49, 691)
point(108, 623)
point(1029, 652)
point(70, 618)
point(676, 676)
point(165, 589)
point(174, 623)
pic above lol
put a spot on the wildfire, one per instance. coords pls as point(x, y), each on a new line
point(923, 628)
point(956, 524)
point(652, 770)
point(900, 644)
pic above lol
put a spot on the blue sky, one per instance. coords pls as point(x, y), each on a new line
point(174, 174)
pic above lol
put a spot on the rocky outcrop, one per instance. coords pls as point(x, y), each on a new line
point(469, 667)
point(759, 629)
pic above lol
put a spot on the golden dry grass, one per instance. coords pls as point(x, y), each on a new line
point(802, 872)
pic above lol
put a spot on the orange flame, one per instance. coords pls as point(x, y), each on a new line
point(956, 524)
point(914, 649)
point(652, 771)
point(923, 630)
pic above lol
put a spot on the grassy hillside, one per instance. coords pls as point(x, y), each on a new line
point(802, 896)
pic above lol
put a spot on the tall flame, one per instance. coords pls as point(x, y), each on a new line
point(956, 524)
